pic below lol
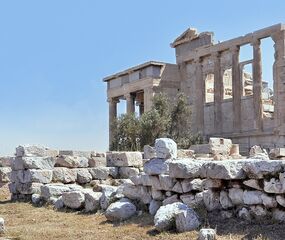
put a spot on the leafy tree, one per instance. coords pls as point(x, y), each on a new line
point(132, 133)
point(126, 133)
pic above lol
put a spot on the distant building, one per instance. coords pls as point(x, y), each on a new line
point(226, 100)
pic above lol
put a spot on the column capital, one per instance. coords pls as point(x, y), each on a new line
point(113, 100)
point(235, 49)
point(255, 43)
point(128, 96)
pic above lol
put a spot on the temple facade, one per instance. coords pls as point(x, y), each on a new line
point(226, 100)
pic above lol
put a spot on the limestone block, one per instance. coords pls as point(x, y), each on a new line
point(225, 200)
point(149, 152)
point(59, 203)
point(278, 215)
point(103, 173)
point(189, 185)
point(86, 154)
point(177, 188)
point(166, 182)
point(244, 214)
point(183, 168)
point(281, 200)
point(253, 183)
point(185, 153)
point(199, 198)
point(236, 195)
point(36, 198)
point(156, 166)
point(64, 175)
point(211, 183)
point(273, 186)
point(211, 200)
point(258, 212)
point(189, 200)
point(127, 172)
point(40, 176)
point(73, 199)
point(277, 153)
point(207, 234)
point(165, 148)
point(92, 201)
point(83, 176)
point(124, 159)
point(164, 218)
point(228, 169)
point(17, 164)
point(35, 151)
point(71, 161)
point(108, 196)
point(252, 197)
point(257, 169)
point(5, 173)
point(268, 201)
point(220, 146)
point(187, 220)
point(157, 195)
point(28, 188)
point(53, 190)
point(137, 180)
point(154, 206)
point(35, 163)
point(2, 226)
point(170, 200)
point(95, 161)
point(120, 210)
point(134, 192)
point(6, 161)
point(258, 153)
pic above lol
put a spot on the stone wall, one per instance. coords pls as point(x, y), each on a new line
point(247, 188)
point(37, 168)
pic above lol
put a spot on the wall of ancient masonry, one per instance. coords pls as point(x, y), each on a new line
point(36, 170)
point(247, 119)
point(162, 180)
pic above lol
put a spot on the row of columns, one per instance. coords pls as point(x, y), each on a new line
point(237, 90)
point(143, 98)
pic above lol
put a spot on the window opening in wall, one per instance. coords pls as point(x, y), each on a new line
point(209, 87)
point(227, 82)
point(267, 58)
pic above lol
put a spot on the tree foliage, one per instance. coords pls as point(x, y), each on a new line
point(132, 133)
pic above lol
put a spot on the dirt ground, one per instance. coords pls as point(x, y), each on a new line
point(27, 222)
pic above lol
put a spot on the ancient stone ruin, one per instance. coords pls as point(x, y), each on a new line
point(226, 100)
point(172, 185)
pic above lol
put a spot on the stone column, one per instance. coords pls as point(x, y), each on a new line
point(112, 116)
point(237, 89)
point(279, 82)
point(130, 103)
point(200, 96)
point(218, 93)
point(257, 85)
point(148, 96)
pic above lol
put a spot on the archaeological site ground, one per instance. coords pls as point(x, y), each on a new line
point(231, 186)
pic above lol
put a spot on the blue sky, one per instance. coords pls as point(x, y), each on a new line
point(54, 54)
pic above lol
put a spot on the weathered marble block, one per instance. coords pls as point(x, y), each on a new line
point(124, 159)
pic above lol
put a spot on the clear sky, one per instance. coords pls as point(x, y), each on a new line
point(54, 54)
